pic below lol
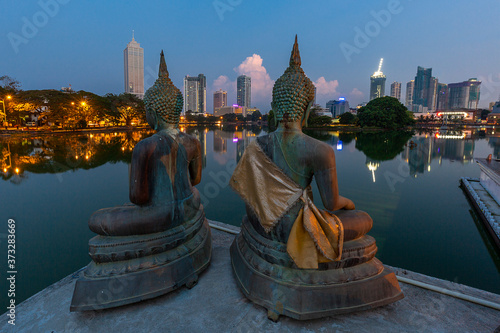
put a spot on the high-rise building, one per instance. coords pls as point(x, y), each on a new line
point(421, 89)
point(377, 83)
point(442, 96)
point(220, 99)
point(195, 94)
point(396, 90)
point(244, 90)
point(464, 95)
point(133, 61)
point(409, 94)
point(433, 86)
point(338, 107)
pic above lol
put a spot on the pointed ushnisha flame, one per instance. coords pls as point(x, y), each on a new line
point(163, 66)
point(295, 56)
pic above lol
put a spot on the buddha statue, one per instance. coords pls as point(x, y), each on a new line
point(290, 256)
point(161, 240)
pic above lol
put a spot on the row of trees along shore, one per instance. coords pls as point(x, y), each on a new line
point(67, 108)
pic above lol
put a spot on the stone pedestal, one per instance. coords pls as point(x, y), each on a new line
point(358, 282)
point(130, 269)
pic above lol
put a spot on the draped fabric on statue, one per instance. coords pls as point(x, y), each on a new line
point(316, 235)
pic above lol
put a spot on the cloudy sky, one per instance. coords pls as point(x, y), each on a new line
point(48, 44)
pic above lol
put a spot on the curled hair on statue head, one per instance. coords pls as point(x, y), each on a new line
point(164, 99)
point(293, 92)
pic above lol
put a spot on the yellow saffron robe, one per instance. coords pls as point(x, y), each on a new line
point(316, 235)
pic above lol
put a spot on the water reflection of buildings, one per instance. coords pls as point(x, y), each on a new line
point(242, 139)
point(494, 142)
point(201, 135)
point(422, 149)
point(56, 154)
point(220, 144)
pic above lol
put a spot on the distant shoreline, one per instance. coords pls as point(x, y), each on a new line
point(26, 131)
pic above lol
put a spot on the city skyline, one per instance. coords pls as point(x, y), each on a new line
point(78, 43)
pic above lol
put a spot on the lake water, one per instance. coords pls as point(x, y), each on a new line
point(408, 183)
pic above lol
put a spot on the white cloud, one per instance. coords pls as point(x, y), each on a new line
point(262, 85)
point(223, 82)
point(324, 87)
point(356, 93)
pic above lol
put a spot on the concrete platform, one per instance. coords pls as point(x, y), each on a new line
point(217, 305)
point(485, 204)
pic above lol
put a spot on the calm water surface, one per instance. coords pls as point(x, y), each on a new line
point(408, 183)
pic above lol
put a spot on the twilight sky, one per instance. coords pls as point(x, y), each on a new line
point(49, 44)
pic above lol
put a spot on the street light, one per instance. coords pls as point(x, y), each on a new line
point(4, 113)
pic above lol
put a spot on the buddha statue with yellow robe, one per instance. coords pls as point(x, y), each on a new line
point(290, 256)
point(161, 240)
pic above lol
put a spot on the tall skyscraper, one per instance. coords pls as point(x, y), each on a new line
point(244, 90)
point(464, 95)
point(133, 58)
point(195, 94)
point(409, 94)
point(377, 83)
point(220, 99)
point(396, 90)
point(433, 86)
point(421, 89)
point(442, 97)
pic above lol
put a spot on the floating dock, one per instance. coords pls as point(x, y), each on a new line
point(216, 304)
point(484, 193)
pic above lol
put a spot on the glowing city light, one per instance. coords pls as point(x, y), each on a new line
point(340, 145)
point(235, 139)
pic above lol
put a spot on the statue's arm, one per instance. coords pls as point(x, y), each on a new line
point(195, 164)
point(139, 178)
point(326, 178)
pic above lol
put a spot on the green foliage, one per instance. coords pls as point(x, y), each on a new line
point(382, 146)
point(319, 121)
point(347, 118)
point(271, 123)
point(385, 112)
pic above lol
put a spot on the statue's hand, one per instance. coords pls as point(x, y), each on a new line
point(344, 203)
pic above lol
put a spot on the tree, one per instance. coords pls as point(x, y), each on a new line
point(9, 84)
point(347, 118)
point(270, 121)
point(385, 112)
point(123, 108)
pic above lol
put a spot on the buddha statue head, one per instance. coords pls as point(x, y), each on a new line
point(293, 92)
point(163, 100)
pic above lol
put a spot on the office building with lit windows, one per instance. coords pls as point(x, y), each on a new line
point(195, 94)
point(244, 91)
point(133, 60)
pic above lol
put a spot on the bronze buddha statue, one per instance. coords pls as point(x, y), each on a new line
point(291, 257)
point(161, 240)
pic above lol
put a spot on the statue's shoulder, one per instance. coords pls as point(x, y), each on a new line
point(319, 151)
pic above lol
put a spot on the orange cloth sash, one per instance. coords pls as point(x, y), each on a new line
point(316, 235)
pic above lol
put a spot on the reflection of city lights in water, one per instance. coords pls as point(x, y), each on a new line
point(450, 136)
point(235, 139)
point(429, 168)
point(5, 170)
point(373, 167)
point(340, 145)
point(17, 170)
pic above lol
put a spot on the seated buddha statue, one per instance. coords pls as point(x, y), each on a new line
point(290, 256)
point(161, 240)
